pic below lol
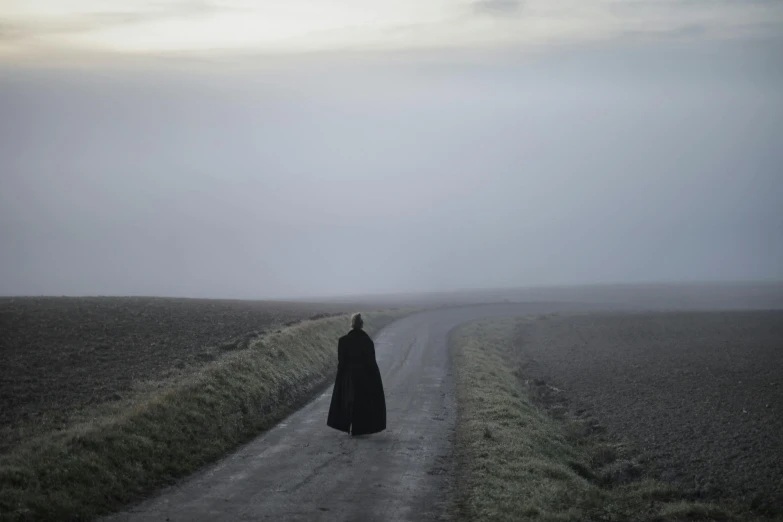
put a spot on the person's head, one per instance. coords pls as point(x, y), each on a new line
point(356, 321)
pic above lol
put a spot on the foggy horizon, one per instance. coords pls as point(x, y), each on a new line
point(451, 160)
point(639, 290)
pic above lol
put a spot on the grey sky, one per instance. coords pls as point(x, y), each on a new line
point(640, 158)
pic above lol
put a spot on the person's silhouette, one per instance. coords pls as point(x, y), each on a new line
point(358, 403)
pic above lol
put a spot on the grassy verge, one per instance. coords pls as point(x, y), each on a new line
point(96, 467)
point(519, 463)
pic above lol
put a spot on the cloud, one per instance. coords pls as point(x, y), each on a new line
point(497, 7)
point(260, 29)
point(712, 3)
point(11, 31)
point(678, 7)
point(686, 31)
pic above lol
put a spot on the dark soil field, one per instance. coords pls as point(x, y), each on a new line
point(60, 355)
point(698, 395)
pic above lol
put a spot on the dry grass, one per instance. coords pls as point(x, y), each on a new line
point(518, 463)
point(63, 355)
point(100, 465)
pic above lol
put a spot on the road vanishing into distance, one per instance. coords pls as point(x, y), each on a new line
point(303, 470)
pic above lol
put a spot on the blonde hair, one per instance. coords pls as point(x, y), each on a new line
point(356, 321)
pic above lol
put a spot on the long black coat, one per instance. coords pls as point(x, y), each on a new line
point(358, 403)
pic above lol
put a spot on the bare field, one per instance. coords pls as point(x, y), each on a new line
point(63, 354)
point(699, 395)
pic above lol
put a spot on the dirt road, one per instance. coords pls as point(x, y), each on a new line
point(303, 470)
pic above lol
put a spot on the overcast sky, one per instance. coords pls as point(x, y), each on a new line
point(305, 148)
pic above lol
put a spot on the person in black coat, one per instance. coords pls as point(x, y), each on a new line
point(358, 403)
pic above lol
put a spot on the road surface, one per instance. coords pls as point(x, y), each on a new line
point(303, 470)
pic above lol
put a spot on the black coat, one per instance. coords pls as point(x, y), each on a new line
point(358, 403)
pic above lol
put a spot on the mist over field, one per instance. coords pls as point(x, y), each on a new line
point(627, 160)
point(561, 221)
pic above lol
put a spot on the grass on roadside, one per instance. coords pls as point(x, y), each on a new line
point(518, 463)
point(95, 468)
